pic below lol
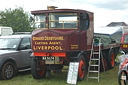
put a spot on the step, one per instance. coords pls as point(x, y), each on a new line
point(94, 71)
point(95, 52)
point(94, 77)
point(94, 65)
point(95, 59)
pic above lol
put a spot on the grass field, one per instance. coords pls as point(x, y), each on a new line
point(109, 77)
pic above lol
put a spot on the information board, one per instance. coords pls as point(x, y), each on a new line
point(72, 73)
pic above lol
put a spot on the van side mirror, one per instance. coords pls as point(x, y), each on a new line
point(84, 21)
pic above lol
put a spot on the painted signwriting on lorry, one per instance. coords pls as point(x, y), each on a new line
point(47, 43)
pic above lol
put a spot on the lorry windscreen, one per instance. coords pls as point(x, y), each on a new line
point(40, 21)
point(63, 20)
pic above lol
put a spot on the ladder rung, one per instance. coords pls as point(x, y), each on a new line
point(94, 71)
point(95, 52)
point(94, 65)
point(94, 77)
point(95, 59)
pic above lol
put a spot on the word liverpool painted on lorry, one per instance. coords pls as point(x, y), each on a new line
point(47, 43)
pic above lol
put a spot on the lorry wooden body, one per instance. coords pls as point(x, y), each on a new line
point(62, 36)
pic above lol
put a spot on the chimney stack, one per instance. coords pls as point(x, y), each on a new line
point(51, 7)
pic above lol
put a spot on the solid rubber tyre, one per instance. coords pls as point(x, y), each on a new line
point(7, 71)
point(38, 73)
point(111, 59)
point(120, 81)
point(82, 67)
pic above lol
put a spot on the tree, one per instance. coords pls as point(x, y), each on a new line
point(16, 18)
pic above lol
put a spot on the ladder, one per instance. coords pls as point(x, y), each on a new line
point(94, 63)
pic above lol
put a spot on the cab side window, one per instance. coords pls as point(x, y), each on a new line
point(25, 44)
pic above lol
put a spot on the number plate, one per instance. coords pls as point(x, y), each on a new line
point(52, 60)
point(123, 77)
point(125, 46)
point(48, 58)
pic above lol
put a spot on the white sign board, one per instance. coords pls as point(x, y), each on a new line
point(72, 72)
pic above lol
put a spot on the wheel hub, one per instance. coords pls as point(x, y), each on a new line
point(8, 71)
point(82, 69)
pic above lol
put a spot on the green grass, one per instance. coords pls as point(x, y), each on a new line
point(109, 77)
point(117, 57)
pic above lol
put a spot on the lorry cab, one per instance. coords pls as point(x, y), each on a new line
point(62, 30)
point(124, 42)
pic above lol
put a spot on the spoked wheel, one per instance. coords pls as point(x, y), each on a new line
point(82, 68)
point(7, 71)
point(38, 68)
point(122, 78)
point(111, 59)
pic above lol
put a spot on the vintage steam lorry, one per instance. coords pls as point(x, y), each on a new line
point(62, 36)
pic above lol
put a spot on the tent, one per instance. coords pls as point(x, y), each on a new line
point(114, 32)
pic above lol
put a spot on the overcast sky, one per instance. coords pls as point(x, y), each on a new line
point(105, 11)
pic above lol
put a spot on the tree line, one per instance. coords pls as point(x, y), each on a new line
point(16, 18)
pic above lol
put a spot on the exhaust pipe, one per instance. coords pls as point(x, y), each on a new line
point(51, 7)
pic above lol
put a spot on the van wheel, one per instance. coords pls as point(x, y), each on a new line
point(38, 69)
point(7, 71)
point(111, 59)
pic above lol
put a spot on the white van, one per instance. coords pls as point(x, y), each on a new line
point(5, 31)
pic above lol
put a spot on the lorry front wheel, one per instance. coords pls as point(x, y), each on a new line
point(111, 59)
point(82, 68)
point(38, 69)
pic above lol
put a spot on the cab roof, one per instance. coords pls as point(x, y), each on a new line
point(59, 11)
